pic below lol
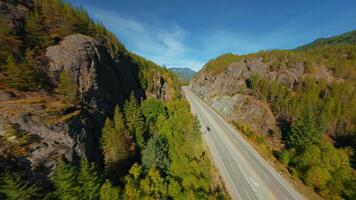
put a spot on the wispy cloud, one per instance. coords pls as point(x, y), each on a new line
point(166, 43)
point(154, 40)
point(188, 42)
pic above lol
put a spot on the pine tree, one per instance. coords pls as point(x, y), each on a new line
point(10, 42)
point(14, 188)
point(304, 131)
point(152, 108)
point(109, 192)
point(89, 180)
point(12, 73)
point(154, 186)
point(35, 34)
point(119, 122)
point(155, 154)
point(114, 143)
point(65, 181)
point(82, 21)
point(144, 186)
point(21, 76)
point(107, 136)
point(66, 87)
point(28, 74)
point(135, 120)
point(53, 14)
point(130, 110)
point(132, 188)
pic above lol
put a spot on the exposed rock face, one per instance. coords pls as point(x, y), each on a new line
point(42, 138)
point(52, 129)
point(95, 72)
point(226, 91)
point(103, 82)
point(160, 88)
point(243, 109)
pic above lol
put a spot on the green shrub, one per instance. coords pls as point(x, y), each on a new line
point(260, 139)
point(284, 157)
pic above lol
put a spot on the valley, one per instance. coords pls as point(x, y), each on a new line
point(142, 100)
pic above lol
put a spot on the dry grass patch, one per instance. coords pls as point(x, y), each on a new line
point(64, 118)
point(26, 101)
point(56, 106)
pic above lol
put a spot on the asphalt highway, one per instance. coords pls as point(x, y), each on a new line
point(245, 173)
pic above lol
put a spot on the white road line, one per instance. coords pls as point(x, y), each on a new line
point(236, 160)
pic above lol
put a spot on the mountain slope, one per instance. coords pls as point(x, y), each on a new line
point(77, 110)
point(185, 74)
point(343, 39)
point(102, 71)
point(296, 103)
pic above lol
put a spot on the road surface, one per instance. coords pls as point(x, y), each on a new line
point(245, 173)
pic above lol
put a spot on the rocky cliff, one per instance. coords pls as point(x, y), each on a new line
point(44, 127)
point(227, 90)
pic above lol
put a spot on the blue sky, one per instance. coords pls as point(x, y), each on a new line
point(188, 33)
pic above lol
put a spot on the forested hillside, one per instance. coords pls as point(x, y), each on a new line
point(81, 117)
point(343, 39)
point(185, 74)
point(296, 105)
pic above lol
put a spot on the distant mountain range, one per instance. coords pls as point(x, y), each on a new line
point(185, 74)
point(345, 38)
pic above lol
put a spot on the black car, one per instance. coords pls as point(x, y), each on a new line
point(208, 128)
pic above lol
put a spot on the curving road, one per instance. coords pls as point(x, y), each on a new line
point(245, 173)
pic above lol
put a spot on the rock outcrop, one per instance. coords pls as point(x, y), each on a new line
point(39, 126)
point(104, 80)
point(227, 91)
point(160, 88)
point(246, 110)
point(95, 72)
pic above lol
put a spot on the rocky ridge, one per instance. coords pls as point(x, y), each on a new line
point(227, 91)
point(71, 131)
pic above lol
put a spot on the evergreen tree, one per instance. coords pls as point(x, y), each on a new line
point(65, 181)
point(144, 186)
point(109, 192)
point(155, 154)
point(10, 42)
point(119, 121)
point(132, 188)
point(152, 108)
point(28, 74)
point(35, 35)
point(89, 180)
point(304, 131)
point(14, 188)
point(114, 143)
point(107, 136)
point(21, 76)
point(12, 73)
point(135, 120)
point(54, 19)
point(66, 87)
point(82, 22)
point(154, 186)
